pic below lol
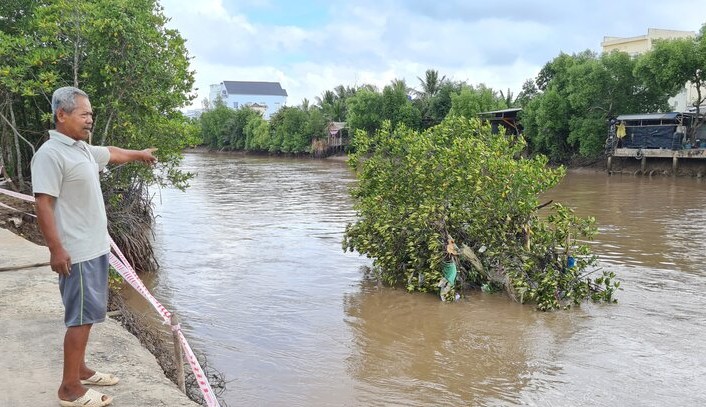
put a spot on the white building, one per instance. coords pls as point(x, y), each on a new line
point(266, 97)
point(643, 43)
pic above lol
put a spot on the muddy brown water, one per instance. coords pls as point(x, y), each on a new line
point(252, 262)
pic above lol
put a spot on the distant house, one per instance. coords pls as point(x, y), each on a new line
point(262, 109)
point(643, 43)
point(506, 118)
point(265, 97)
point(193, 113)
point(337, 134)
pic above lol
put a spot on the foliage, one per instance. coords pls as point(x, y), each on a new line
point(316, 124)
point(435, 108)
point(365, 111)
point(397, 107)
point(134, 68)
point(580, 93)
point(459, 180)
point(368, 108)
point(673, 63)
point(473, 100)
point(216, 126)
point(528, 92)
point(288, 127)
point(257, 134)
point(333, 103)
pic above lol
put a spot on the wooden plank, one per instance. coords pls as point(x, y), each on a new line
point(697, 153)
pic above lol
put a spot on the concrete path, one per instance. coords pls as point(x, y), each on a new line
point(31, 340)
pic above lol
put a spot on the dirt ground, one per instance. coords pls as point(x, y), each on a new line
point(20, 222)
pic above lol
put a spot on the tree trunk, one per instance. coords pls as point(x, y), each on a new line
point(18, 163)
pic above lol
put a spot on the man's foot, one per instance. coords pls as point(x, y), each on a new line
point(90, 398)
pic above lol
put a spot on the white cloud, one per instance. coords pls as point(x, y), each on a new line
point(375, 41)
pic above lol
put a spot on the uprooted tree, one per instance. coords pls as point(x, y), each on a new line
point(458, 194)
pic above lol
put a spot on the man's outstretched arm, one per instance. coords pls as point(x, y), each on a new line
point(120, 155)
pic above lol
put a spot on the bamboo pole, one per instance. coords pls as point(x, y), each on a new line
point(178, 355)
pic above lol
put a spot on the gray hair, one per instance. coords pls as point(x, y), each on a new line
point(65, 99)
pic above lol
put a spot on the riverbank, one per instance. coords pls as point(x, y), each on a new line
point(31, 314)
point(342, 157)
point(621, 165)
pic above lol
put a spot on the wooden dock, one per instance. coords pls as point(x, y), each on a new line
point(644, 153)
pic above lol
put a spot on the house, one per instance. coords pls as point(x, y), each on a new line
point(671, 135)
point(335, 142)
point(193, 113)
point(266, 97)
point(506, 118)
point(337, 134)
point(643, 43)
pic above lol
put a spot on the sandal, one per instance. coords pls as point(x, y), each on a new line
point(101, 379)
point(92, 398)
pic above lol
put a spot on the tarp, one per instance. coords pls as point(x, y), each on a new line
point(652, 137)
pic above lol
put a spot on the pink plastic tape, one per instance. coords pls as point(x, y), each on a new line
point(17, 195)
point(128, 273)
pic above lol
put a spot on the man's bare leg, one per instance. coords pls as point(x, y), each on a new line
point(75, 342)
point(85, 372)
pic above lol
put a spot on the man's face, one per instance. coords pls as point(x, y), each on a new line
point(79, 123)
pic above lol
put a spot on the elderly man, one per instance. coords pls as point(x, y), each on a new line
point(71, 216)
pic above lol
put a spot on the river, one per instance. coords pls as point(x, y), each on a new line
point(251, 260)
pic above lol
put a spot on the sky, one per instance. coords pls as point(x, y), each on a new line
point(310, 46)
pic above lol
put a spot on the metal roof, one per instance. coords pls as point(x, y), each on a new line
point(650, 116)
point(510, 110)
point(254, 88)
point(335, 126)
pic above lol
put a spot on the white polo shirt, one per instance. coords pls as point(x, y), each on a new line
point(68, 170)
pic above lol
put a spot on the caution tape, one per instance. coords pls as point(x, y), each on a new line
point(128, 273)
point(9, 207)
point(17, 195)
point(201, 378)
point(123, 267)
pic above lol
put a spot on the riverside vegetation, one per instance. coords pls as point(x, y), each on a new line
point(565, 108)
point(457, 180)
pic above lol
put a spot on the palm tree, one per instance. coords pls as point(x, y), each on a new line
point(326, 98)
point(333, 102)
point(305, 105)
point(400, 85)
point(508, 98)
point(430, 84)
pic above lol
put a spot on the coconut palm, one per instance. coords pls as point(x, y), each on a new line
point(430, 84)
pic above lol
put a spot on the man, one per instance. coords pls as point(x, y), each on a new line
point(71, 216)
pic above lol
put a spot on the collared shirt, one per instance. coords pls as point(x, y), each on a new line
point(68, 170)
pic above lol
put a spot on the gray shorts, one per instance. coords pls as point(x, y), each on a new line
point(85, 292)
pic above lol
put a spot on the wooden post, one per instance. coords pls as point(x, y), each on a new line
point(610, 164)
point(675, 164)
point(643, 165)
point(178, 355)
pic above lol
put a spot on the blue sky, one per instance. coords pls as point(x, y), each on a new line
point(313, 45)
